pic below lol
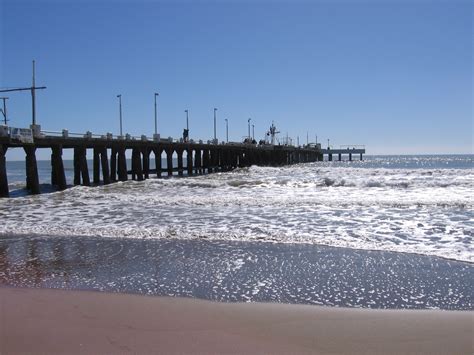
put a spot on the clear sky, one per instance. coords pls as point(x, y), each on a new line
point(395, 75)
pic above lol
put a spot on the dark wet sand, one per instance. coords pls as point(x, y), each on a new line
point(238, 271)
point(59, 321)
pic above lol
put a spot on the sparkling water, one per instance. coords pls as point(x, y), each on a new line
point(407, 204)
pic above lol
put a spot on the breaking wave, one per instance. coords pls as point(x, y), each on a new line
point(422, 210)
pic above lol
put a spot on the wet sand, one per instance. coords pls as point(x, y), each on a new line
point(60, 321)
point(238, 271)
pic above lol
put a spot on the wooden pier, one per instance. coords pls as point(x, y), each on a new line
point(351, 152)
point(110, 163)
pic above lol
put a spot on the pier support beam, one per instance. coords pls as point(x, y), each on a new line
point(158, 164)
point(137, 173)
point(113, 164)
point(122, 165)
point(80, 167)
point(58, 178)
point(96, 164)
point(32, 180)
point(340, 156)
point(3, 172)
point(169, 161)
point(146, 162)
point(330, 157)
point(197, 161)
point(105, 166)
point(361, 156)
point(84, 169)
point(212, 158)
point(180, 162)
point(350, 156)
point(205, 160)
point(189, 161)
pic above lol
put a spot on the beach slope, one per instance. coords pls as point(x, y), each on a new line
point(59, 321)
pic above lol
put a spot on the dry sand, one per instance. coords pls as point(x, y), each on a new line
point(68, 322)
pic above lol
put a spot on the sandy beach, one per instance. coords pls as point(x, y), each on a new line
point(59, 321)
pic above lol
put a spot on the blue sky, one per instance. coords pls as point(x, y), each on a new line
point(393, 75)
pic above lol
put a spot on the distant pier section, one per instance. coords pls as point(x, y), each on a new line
point(349, 150)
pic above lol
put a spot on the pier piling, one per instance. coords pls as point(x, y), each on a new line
point(113, 164)
point(146, 162)
point(197, 161)
point(3, 172)
point(205, 160)
point(169, 161)
point(137, 173)
point(58, 177)
point(122, 164)
point(105, 166)
point(32, 180)
point(84, 168)
point(189, 161)
point(158, 164)
point(96, 166)
point(180, 162)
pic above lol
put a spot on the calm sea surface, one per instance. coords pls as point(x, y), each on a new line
point(408, 204)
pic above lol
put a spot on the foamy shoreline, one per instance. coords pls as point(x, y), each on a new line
point(60, 321)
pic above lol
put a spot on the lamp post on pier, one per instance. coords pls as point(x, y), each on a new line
point(187, 120)
point(215, 132)
point(253, 132)
point(248, 121)
point(120, 112)
point(227, 130)
point(156, 116)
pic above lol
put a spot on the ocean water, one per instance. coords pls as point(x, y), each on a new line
point(386, 232)
point(406, 204)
